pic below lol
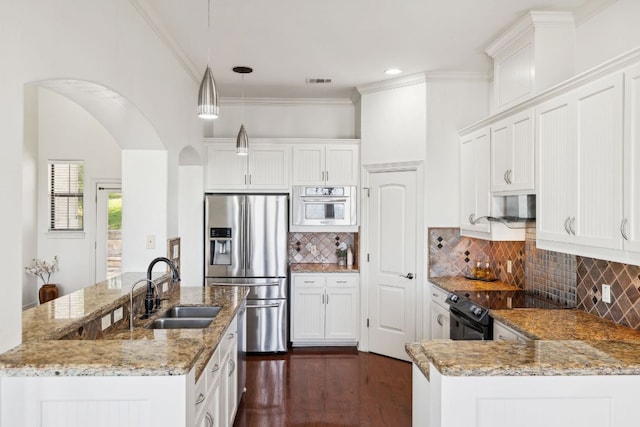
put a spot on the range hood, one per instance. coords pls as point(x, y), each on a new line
point(517, 211)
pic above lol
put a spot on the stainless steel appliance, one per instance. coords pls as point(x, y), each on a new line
point(324, 205)
point(468, 320)
point(246, 244)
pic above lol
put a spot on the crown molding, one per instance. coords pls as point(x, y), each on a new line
point(527, 23)
point(456, 75)
point(410, 80)
point(235, 101)
point(156, 25)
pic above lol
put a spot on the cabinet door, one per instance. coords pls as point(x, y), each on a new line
point(225, 170)
point(599, 158)
point(512, 154)
point(341, 305)
point(555, 200)
point(307, 307)
point(475, 181)
point(341, 166)
point(501, 155)
point(269, 167)
point(439, 322)
point(631, 222)
point(308, 164)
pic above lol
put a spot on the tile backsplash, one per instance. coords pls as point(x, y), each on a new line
point(319, 247)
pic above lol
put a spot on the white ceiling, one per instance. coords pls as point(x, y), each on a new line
point(350, 41)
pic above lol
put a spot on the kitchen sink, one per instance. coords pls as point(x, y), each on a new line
point(181, 323)
point(188, 311)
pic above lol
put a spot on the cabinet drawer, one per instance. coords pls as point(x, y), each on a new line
point(212, 370)
point(439, 296)
point(301, 281)
point(229, 340)
point(200, 396)
point(346, 281)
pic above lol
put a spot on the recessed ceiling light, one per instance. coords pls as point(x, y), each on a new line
point(393, 71)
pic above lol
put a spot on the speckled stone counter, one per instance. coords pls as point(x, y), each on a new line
point(461, 284)
point(321, 268)
point(563, 324)
point(533, 358)
point(122, 352)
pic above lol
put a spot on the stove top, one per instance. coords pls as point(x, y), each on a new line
point(460, 304)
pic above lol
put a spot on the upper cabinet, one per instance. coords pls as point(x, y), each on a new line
point(580, 167)
point(265, 168)
point(512, 155)
point(630, 226)
point(326, 164)
point(475, 197)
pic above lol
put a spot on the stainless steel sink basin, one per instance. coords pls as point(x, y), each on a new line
point(187, 311)
point(181, 323)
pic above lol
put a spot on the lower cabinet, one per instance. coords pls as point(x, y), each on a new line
point(502, 332)
point(324, 309)
point(216, 392)
point(439, 314)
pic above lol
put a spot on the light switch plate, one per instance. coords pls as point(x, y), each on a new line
point(117, 315)
point(606, 293)
point(106, 321)
point(151, 241)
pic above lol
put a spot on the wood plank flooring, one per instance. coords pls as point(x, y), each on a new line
point(318, 387)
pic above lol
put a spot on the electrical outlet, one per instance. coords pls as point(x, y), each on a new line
point(151, 241)
point(106, 321)
point(117, 314)
point(165, 287)
point(606, 293)
point(509, 266)
point(314, 250)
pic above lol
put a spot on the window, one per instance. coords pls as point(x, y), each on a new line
point(66, 195)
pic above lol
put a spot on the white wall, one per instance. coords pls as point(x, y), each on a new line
point(393, 124)
point(68, 132)
point(105, 42)
point(191, 204)
point(451, 105)
point(611, 32)
point(270, 118)
point(29, 193)
point(144, 201)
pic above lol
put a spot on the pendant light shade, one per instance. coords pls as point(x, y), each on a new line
point(242, 142)
point(208, 103)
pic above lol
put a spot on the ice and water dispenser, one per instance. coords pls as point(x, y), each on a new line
point(220, 246)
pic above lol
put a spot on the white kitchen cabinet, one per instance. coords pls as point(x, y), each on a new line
point(440, 322)
point(580, 166)
point(475, 197)
point(324, 309)
point(502, 332)
point(512, 155)
point(630, 225)
point(325, 164)
point(265, 168)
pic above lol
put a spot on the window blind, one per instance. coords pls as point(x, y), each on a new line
point(66, 195)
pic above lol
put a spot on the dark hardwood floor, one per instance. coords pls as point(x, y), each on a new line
point(326, 387)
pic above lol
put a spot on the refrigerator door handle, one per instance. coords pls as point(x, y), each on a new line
point(248, 248)
point(242, 236)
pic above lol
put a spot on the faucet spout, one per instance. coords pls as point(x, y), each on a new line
point(131, 316)
point(148, 300)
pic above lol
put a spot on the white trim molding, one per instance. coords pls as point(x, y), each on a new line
point(235, 101)
point(410, 80)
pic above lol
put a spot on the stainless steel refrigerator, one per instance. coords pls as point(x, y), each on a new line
point(246, 244)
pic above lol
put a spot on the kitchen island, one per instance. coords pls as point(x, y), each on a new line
point(578, 369)
point(144, 377)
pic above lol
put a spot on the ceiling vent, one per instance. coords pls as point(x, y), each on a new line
point(318, 81)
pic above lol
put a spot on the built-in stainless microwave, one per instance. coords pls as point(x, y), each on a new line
point(324, 205)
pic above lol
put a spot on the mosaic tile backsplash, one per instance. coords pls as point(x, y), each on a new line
point(453, 255)
point(625, 290)
point(319, 247)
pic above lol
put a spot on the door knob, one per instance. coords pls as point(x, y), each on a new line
point(408, 276)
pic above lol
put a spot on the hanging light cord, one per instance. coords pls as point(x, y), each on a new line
point(242, 99)
point(208, 31)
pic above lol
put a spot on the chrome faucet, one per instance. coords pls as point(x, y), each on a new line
point(148, 300)
point(131, 316)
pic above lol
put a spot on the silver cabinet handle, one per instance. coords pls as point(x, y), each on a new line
point(209, 419)
point(323, 176)
point(566, 225)
point(231, 336)
point(504, 176)
point(322, 298)
point(439, 320)
point(326, 175)
point(200, 399)
point(434, 295)
point(249, 179)
point(501, 338)
point(572, 224)
point(472, 220)
point(215, 368)
point(233, 366)
point(509, 174)
point(408, 276)
point(327, 298)
point(623, 229)
point(341, 281)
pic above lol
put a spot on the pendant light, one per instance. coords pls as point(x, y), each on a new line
point(208, 103)
point(242, 142)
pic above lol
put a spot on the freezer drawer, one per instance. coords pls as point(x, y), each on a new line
point(267, 325)
point(263, 288)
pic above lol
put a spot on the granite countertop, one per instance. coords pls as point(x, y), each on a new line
point(322, 268)
point(122, 352)
point(532, 358)
point(563, 324)
point(462, 284)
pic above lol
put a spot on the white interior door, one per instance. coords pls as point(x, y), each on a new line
point(108, 226)
point(392, 268)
